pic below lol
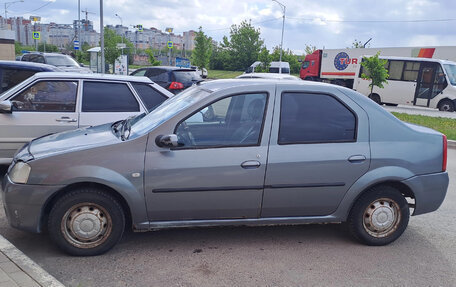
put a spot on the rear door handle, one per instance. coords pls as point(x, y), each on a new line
point(66, 120)
point(357, 158)
point(250, 164)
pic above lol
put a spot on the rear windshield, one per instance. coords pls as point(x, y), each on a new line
point(61, 61)
point(186, 76)
point(276, 70)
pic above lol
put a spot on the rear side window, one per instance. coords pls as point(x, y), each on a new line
point(108, 97)
point(315, 118)
point(12, 77)
point(47, 96)
point(150, 96)
point(395, 70)
point(186, 76)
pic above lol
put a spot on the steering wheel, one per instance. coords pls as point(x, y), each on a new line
point(186, 135)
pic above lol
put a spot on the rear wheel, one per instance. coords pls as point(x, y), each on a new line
point(446, 106)
point(379, 216)
point(376, 98)
point(86, 222)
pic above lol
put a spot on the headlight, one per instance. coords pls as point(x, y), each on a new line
point(20, 172)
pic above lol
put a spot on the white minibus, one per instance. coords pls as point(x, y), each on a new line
point(413, 81)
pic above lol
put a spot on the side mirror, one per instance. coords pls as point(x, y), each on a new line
point(6, 107)
point(166, 141)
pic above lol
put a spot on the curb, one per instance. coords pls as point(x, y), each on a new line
point(27, 265)
point(451, 144)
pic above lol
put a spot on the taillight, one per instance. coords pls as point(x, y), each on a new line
point(445, 147)
point(176, 86)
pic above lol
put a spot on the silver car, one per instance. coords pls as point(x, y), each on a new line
point(54, 102)
point(232, 152)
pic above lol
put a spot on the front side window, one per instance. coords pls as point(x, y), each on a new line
point(47, 96)
point(315, 118)
point(305, 64)
point(411, 71)
point(108, 97)
point(232, 121)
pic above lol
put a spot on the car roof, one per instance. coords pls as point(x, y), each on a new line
point(69, 75)
point(168, 68)
point(29, 65)
point(47, 54)
point(268, 76)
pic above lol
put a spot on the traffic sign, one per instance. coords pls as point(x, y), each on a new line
point(170, 44)
point(76, 45)
point(140, 28)
point(36, 35)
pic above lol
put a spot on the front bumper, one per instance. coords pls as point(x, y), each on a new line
point(430, 191)
point(24, 203)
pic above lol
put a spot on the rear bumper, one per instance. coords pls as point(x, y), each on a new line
point(430, 191)
point(24, 203)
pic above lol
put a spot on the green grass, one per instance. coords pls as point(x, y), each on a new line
point(443, 125)
point(219, 74)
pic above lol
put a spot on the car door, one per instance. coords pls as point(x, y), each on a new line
point(319, 148)
point(425, 83)
point(218, 171)
point(44, 107)
point(105, 102)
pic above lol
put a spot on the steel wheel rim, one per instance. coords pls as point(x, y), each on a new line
point(86, 225)
point(381, 218)
point(445, 107)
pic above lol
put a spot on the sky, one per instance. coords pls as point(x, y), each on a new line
point(327, 24)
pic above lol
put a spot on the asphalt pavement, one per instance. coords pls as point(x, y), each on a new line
point(308, 255)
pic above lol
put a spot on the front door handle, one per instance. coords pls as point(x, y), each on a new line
point(357, 158)
point(66, 120)
point(250, 164)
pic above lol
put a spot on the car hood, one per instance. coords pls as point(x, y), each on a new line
point(70, 141)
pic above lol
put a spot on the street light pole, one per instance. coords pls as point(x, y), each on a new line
point(281, 42)
point(7, 4)
point(102, 39)
point(121, 27)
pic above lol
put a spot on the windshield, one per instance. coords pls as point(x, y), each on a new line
point(167, 110)
point(451, 72)
point(61, 61)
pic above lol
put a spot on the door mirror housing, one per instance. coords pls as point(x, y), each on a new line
point(6, 107)
point(166, 141)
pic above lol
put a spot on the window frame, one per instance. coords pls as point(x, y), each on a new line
point(354, 140)
point(260, 136)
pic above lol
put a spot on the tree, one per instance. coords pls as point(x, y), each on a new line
point(48, 47)
point(152, 60)
point(265, 60)
point(376, 71)
point(110, 42)
point(310, 49)
point(203, 50)
point(243, 46)
point(219, 58)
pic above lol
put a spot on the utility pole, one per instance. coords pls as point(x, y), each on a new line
point(79, 23)
point(281, 42)
point(102, 38)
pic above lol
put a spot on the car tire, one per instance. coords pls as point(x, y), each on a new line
point(446, 105)
point(391, 105)
point(379, 216)
point(375, 98)
point(86, 222)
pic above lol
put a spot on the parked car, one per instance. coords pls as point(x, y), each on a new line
point(202, 72)
point(64, 62)
point(268, 76)
point(53, 102)
point(13, 72)
point(174, 79)
point(231, 152)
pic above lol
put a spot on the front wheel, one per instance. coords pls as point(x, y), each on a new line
point(446, 106)
point(379, 216)
point(86, 222)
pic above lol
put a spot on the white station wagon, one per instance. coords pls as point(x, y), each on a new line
point(53, 102)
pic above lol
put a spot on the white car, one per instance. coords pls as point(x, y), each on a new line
point(52, 102)
point(268, 76)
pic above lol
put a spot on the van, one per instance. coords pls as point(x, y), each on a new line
point(274, 67)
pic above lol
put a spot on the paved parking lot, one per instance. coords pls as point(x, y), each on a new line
point(310, 255)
